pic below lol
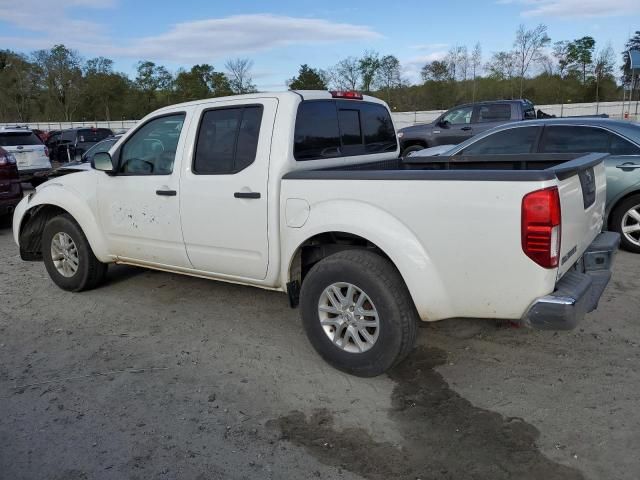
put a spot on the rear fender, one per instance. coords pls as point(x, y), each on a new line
point(394, 238)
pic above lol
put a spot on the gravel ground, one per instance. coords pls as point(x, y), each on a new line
point(161, 376)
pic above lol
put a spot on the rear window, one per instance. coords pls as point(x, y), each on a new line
point(330, 128)
point(12, 139)
point(92, 135)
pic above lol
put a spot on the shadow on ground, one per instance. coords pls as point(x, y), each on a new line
point(445, 436)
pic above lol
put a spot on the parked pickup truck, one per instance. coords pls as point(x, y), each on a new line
point(303, 192)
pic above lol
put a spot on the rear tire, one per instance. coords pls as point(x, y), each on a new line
point(626, 216)
point(68, 257)
point(364, 340)
point(412, 148)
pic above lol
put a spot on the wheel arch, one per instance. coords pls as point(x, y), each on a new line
point(49, 203)
point(635, 190)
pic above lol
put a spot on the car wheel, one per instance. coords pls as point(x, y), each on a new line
point(68, 257)
point(412, 148)
point(357, 312)
point(625, 219)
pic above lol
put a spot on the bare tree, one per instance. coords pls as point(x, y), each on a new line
point(603, 66)
point(240, 79)
point(561, 54)
point(476, 65)
point(528, 49)
point(389, 74)
point(369, 66)
point(347, 73)
point(503, 67)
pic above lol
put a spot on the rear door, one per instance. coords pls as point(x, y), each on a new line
point(26, 147)
point(223, 188)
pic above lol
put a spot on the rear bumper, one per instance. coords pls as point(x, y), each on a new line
point(579, 290)
point(29, 173)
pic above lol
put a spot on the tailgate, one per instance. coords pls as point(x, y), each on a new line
point(29, 156)
point(582, 201)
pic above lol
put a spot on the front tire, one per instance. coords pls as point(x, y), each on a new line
point(357, 312)
point(68, 257)
point(411, 149)
point(625, 219)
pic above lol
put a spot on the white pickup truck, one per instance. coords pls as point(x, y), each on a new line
point(303, 192)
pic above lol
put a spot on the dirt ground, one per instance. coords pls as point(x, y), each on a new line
point(162, 376)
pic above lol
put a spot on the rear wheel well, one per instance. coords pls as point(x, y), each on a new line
point(32, 227)
point(318, 247)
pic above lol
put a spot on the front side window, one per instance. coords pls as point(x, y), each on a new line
point(578, 139)
point(514, 140)
point(151, 150)
point(227, 140)
point(497, 112)
point(458, 116)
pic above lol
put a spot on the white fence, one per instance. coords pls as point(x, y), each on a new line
point(400, 119)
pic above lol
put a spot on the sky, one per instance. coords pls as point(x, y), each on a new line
point(279, 36)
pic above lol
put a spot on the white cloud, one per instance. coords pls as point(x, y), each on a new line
point(429, 46)
point(576, 8)
point(202, 40)
point(187, 42)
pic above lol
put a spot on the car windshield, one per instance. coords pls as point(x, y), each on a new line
point(92, 135)
point(12, 139)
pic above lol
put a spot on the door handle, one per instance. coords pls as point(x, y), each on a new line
point(166, 193)
point(628, 166)
point(247, 195)
point(466, 128)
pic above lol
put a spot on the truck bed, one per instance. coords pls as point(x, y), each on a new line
point(519, 167)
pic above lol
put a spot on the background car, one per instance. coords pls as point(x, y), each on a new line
point(620, 139)
point(69, 145)
point(30, 153)
point(87, 157)
point(10, 186)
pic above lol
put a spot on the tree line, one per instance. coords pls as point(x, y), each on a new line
point(59, 85)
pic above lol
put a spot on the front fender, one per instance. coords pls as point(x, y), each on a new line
point(393, 237)
point(80, 206)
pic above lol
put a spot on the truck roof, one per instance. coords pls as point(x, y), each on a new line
point(302, 94)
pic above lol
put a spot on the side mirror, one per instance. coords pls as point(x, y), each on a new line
point(102, 161)
point(444, 123)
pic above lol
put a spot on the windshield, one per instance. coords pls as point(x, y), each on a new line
point(12, 139)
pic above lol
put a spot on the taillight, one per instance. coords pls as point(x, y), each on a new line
point(46, 152)
point(349, 94)
point(541, 226)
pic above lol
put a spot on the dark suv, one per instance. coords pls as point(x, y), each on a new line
point(463, 122)
point(69, 145)
point(10, 187)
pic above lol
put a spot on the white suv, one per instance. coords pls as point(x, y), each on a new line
point(31, 154)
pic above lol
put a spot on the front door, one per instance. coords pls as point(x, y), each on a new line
point(139, 206)
point(454, 127)
point(224, 204)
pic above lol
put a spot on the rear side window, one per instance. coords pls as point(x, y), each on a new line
point(570, 139)
point(529, 112)
point(227, 140)
point(497, 112)
point(12, 139)
point(329, 129)
point(513, 140)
